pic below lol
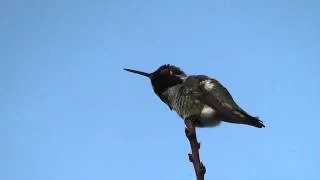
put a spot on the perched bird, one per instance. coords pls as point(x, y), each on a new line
point(199, 97)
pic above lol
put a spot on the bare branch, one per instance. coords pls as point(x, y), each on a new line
point(190, 131)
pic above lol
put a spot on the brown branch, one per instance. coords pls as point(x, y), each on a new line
point(190, 131)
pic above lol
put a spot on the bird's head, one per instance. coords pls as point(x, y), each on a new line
point(164, 77)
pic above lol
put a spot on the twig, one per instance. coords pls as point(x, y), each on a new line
point(190, 131)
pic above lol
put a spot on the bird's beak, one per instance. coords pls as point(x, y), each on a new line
point(139, 72)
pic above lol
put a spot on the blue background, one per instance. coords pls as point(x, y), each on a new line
point(69, 111)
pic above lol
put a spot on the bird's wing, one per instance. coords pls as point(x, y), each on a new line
point(216, 96)
point(215, 88)
point(212, 93)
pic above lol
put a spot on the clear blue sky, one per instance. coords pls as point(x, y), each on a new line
point(69, 111)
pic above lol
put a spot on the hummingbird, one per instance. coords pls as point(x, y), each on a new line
point(202, 99)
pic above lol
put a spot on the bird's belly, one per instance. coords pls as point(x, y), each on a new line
point(208, 117)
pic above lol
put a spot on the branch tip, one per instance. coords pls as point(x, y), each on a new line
point(190, 157)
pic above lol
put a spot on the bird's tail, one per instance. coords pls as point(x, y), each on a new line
point(254, 121)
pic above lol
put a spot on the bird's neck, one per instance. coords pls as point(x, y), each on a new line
point(163, 82)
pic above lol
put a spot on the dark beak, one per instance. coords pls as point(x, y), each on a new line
point(139, 72)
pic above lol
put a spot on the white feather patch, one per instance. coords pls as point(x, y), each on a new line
point(207, 111)
point(208, 116)
point(208, 84)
